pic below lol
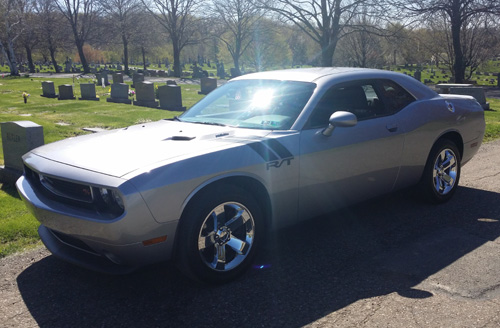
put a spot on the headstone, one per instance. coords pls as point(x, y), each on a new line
point(476, 92)
point(102, 77)
point(67, 68)
point(170, 97)
point(162, 73)
point(48, 89)
point(136, 78)
point(171, 82)
point(66, 92)
point(117, 78)
point(119, 94)
point(498, 80)
point(17, 139)
point(145, 95)
point(208, 84)
point(418, 75)
point(88, 92)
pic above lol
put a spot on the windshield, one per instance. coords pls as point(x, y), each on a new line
point(256, 104)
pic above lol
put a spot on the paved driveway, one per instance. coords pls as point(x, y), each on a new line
point(389, 262)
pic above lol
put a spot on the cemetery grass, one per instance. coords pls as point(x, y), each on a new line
point(60, 119)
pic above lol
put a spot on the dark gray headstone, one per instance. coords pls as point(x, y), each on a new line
point(66, 92)
point(88, 92)
point(48, 89)
point(208, 84)
point(119, 94)
point(418, 75)
point(171, 82)
point(136, 78)
point(117, 78)
point(170, 97)
point(145, 95)
point(102, 78)
point(17, 139)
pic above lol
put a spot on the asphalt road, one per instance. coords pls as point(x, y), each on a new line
point(390, 262)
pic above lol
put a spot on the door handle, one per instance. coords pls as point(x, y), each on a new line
point(392, 127)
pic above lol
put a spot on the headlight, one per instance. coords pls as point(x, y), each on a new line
point(111, 198)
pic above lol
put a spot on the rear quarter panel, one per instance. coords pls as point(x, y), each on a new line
point(425, 121)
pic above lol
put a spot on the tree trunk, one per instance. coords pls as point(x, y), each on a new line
point(30, 59)
point(458, 66)
point(12, 60)
point(83, 60)
point(177, 59)
point(53, 58)
point(144, 58)
point(125, 53)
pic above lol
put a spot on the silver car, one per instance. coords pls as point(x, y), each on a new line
point(263, 151)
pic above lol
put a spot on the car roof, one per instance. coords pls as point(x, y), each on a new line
point(321, 75)
point(301, 74)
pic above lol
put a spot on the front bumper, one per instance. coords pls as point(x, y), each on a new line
point(79, 236)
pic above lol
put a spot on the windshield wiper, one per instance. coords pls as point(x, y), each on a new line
point(210, 123)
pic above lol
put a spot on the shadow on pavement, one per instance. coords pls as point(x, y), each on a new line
point(386, 245)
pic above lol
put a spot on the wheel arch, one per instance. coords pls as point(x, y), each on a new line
point(455, 137)
point(250, 184)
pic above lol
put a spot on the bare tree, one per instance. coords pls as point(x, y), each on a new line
point(458, 14)
point(323, 21)
point(123, 15)
point(11, 20)
point(235, 22)
point(80, 15)
point(51, 30)
point(178, 18)
point(29, 38)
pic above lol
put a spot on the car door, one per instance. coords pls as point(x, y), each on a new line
point(354, 163)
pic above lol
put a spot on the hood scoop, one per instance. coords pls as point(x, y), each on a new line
point(181, 138)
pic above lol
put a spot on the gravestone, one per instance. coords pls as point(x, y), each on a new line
point(498, 80)
point(117, 78)
point(170, 97)
point(88, 92)
point(66, 92)
point(67, 67)
point(119, 94)
point(102, 77)
point(145, 95)
point(162, 73)
point(418, 75)
point(48, 89)
point(136, 78)
point(476, 92)
point(171, 82)
point(207, 85)
point(17, 139)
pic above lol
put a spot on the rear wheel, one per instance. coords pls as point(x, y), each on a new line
point(442, 172)
point(220, 232)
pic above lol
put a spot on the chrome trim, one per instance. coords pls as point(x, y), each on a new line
point(445, 171)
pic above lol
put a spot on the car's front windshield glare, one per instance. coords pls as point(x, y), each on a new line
point(256, 104)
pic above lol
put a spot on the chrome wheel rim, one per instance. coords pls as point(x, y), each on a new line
point(226, 236)
point(445, 171)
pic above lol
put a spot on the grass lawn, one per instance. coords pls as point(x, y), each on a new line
point(66, 118)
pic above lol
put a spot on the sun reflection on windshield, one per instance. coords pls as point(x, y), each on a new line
point(262, 98)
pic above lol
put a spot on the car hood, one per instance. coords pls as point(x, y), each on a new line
point(121, 151)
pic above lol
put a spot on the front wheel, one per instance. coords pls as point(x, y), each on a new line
point(220, 233)
point(442, 172)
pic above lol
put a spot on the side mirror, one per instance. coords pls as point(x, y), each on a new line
point(340, 119)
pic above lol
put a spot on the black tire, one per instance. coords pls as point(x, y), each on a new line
point(219, 255)
point(442, 172)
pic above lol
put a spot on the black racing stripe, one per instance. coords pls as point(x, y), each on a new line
point(278, 148)
point(263, 151)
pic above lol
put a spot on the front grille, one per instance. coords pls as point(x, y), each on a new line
point(71, 190)
point(71, 193)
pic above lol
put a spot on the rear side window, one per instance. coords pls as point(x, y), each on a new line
point(394, 97)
